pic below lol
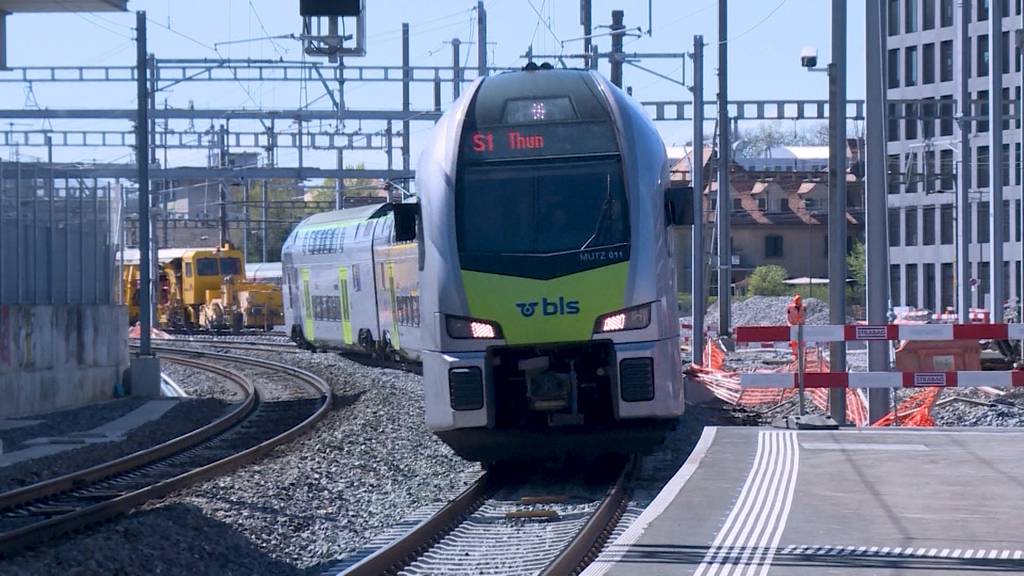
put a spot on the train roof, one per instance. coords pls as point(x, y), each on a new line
point(347, 215)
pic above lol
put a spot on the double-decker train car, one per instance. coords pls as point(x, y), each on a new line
point(542, 272)
point(351, 284)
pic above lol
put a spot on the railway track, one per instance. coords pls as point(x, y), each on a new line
point(508, 524)
point(42, 511)
point(239, 344)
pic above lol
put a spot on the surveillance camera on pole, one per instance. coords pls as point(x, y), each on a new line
point(809, 57)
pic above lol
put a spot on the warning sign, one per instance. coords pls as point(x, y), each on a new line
point(929, 379)
point(870, 333)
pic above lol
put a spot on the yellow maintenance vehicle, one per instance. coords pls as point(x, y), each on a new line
point(206, 288)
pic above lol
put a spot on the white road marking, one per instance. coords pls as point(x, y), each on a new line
point(747, 542)
point(863, 446)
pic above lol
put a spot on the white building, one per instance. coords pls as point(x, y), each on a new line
point(923, 61)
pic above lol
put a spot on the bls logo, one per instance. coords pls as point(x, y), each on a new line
point(560, 307)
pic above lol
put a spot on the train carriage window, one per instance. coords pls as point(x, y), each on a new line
point(366, 229)
point(341, 240)
point(356, 284)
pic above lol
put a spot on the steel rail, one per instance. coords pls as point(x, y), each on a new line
point(585, 546)
point(390, 558)
point(120, 503)
point(588, 543)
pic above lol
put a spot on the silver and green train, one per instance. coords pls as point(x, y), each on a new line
point(534, 280)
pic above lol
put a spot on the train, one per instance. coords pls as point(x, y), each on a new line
point(533, 280)
point(204, 288)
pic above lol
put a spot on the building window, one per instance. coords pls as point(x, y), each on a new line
point(894, 68)
point(928, 226)
point(946, 61)
point(910, 227)
point(929, 169)
point(1017, 94)
point(928, 119)
point(946, 13)
point(1004, 221)
point(981, 64)
point(984, 271)
point(910, 174)
point(737, 205)
point(892, 131)
point(894, 284)
point(894, 17)
point(982, 167)
point(773, 246)
point(928, 64)
point(946, 182)
point(1016, 173)
point(946, 112)
point(982, 235)
point(910, 66)
point(946, 224)
point(894, 226)
point(910, 24)
point(1016, 218)
point(982, 10)
point(1004, 278)
point(910, 122)
point(783, 205)
point(893, 173)
point(946, 286)
point(1005, 47)
point(929, 286)
point(1006, 109)
point(1005, 168)
point(982, 111)
point(928, 15)
point(912, 285)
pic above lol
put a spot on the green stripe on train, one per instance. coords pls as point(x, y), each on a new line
point(535, 311)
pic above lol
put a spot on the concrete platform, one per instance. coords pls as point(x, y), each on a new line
point(760, 501)
point(113, 431)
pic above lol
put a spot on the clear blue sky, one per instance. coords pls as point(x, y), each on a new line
point(765, 38)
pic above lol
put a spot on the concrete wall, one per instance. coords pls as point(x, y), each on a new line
point(56, 357)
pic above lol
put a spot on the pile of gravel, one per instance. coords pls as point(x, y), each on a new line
point(1003, 411)
point(766, 311)
point(367, 465)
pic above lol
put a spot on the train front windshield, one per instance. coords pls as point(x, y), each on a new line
point(218, 266)
point(544, 208)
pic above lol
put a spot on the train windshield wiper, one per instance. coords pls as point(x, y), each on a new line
point(606, 212)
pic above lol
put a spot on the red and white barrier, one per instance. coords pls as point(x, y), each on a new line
point(960, 379)
point(867, 332)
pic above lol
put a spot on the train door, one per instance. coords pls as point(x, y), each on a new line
point(307, 307)
point(346, 317)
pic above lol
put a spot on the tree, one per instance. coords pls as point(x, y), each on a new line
point(767, 281)
point(855, 264)
point(353, 186)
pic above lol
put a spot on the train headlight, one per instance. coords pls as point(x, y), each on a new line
point(471, 328)
point(634, 318)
